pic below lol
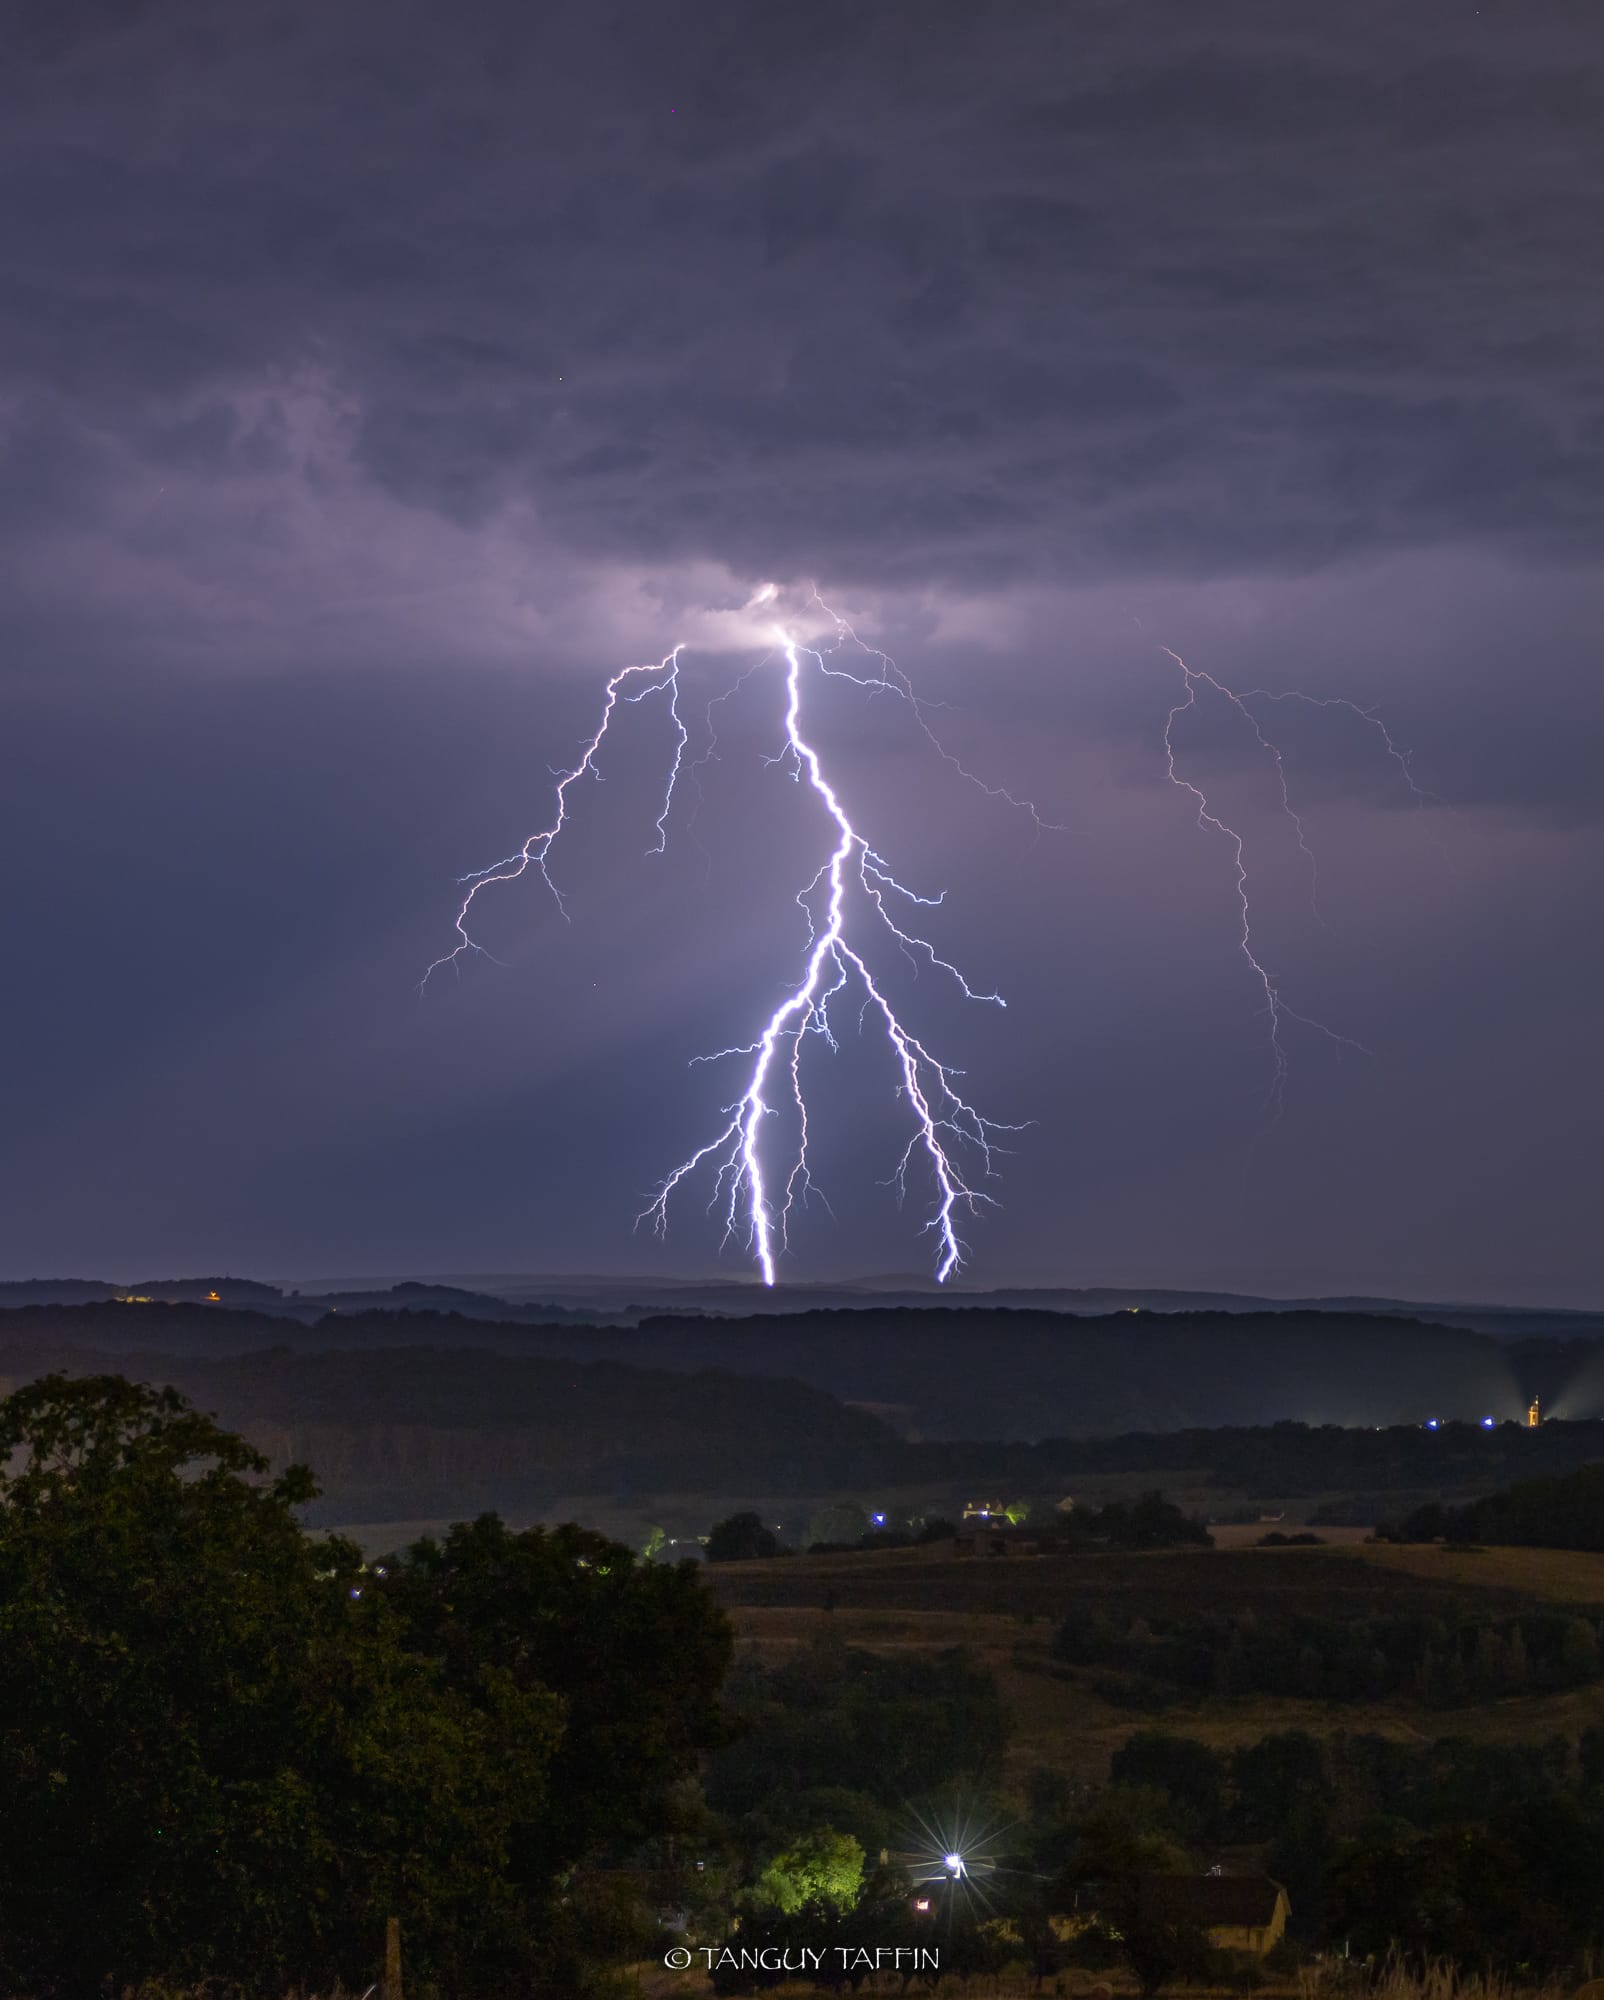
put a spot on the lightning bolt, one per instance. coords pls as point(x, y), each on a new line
point(891, 679)
point(946, 1126)
point(1275, 1007)
point(661, 678)
point(1404, 759)
point(853, 891)
point(849, 898)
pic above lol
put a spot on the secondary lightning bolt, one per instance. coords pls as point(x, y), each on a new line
point(537, 848)
point(1404, 759)
point(891, 679)
point(953, 1141)
point(1275, 1006)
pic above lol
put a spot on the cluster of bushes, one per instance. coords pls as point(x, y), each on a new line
point(1152, 1522)
point(1439, 1660)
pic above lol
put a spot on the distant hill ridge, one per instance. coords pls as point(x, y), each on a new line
point(420, 1431)
point(941, 1373)
point(628, 1301)
point(447, 1429)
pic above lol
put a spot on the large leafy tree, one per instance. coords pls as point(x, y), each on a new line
point(637, 1653)
point(214, 1756)
point(1124, 1841)
point(822, 1867)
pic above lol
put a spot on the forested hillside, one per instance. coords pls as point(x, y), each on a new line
point(961, 1372)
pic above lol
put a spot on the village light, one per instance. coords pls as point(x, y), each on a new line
point(954, 1864)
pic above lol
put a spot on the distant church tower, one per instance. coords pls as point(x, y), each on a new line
point(1534, 1415)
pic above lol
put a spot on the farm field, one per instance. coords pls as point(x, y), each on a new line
point(1006, 1613)
point(1313, 1579)
point(1562, 1576)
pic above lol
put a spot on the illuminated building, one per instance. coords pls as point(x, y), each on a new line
point(1534, 1415)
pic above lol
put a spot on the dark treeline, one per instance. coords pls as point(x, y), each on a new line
point(992, 1373)
point(956, 1372)
point(1281, 1459)
point(1441, 1658)
point(1562, 1513)
point(413, 1432)
point(417, 1432)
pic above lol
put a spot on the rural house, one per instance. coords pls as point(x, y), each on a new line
point(1246, 1913)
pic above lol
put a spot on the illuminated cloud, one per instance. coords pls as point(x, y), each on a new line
point(373, 388)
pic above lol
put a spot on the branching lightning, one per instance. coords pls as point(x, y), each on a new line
point(853, 903)
point(850, 899)
point(537, 848)
point(892, 680)
point(1275, 1007)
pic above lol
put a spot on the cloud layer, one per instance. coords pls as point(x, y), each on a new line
point(833, 290)
point(372, 379)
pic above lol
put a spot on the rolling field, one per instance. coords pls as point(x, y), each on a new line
point(1556, 1576)
point(1005, 1612)
point(1313, 1579)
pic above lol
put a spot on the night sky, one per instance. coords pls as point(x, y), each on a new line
point(376, 378)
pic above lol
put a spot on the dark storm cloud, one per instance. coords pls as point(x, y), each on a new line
point(855, 290)
point(372, 376)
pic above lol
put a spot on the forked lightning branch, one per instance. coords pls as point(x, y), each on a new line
point(853, 911)
point(851, 908)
